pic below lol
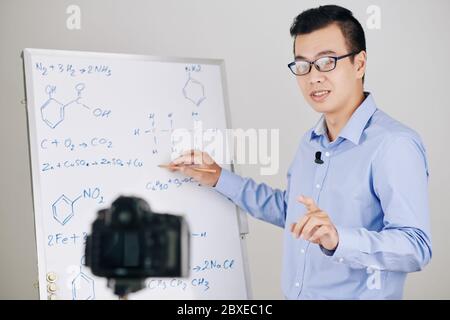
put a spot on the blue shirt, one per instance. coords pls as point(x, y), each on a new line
point(373, 185)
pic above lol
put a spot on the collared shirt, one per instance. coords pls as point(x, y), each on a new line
point(373, 185)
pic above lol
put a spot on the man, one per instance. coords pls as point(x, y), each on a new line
point(355, 212)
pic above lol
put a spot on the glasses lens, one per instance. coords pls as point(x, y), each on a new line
point(325, 64)
point(301, 67)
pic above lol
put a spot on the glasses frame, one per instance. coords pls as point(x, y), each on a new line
point(315, 65)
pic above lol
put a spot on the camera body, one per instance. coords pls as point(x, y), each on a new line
point(130, 242)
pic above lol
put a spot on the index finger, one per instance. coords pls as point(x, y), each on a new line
point(308, 202)
point(297, 228)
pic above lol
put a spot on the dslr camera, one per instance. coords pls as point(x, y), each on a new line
point(130, 242)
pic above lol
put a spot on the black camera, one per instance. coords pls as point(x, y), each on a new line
point(130, 242)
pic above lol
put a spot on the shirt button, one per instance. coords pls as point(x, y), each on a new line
point(327, 154)
point(341, 260)
point(302, 251)
point(317, 186)
point(297, 284)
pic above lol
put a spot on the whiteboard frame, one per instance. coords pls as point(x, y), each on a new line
point(34, 149)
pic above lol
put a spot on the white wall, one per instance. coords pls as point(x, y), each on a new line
point(406, 73)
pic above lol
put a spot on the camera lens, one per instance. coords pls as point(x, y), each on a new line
point(125, 217)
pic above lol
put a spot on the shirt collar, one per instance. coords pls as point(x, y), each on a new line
point(355, 125)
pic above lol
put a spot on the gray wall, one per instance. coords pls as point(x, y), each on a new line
point(407, 69)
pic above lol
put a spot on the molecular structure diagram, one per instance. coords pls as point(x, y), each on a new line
point(194, 91)
point(83, 286)
point(53, 111)
point(63, 207)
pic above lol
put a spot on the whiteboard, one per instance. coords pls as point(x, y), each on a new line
point(99, 124)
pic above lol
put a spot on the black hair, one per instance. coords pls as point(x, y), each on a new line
point(317, 18)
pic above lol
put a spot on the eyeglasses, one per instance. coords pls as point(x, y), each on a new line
point(323, 64)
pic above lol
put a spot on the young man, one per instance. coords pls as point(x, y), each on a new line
point(355, 211)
